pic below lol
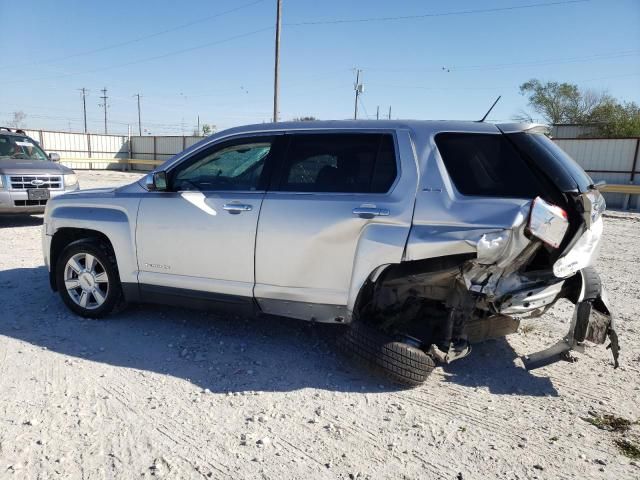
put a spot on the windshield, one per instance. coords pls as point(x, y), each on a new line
point(13, 146)
point(557, 165)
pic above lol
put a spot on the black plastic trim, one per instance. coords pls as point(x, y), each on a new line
point(196, 299)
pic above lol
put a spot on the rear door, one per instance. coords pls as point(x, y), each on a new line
point(330, 196)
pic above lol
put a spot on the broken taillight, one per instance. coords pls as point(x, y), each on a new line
point(548, 222)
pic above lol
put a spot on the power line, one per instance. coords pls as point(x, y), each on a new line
point(430, 15)
point(276, 86)
point(495, 87)
point(363, 107)
point(146, 59)
point(138, 39)
point(358, 87)
point(139, 121)
point(84, 107)
point(104, 104)
point(533, 63)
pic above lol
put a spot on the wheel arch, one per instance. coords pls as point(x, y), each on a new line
point(115, 224)
point(64, 237)
point(405, 269)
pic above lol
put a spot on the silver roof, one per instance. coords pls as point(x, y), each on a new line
point(414, 125)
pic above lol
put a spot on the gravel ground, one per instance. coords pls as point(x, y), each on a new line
point(169, 393)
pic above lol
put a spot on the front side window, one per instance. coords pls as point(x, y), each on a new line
point(231, 166)
point(339, 162)
point(487, 165)
point(18, 147)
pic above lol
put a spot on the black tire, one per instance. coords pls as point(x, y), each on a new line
point(104, 254)
point(399, 361)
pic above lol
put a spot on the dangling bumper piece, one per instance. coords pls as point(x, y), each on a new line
point(592, 320)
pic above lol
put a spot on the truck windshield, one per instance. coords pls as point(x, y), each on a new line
point(561, 169)
point(18, 147)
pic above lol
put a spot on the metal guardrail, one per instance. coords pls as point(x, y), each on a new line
point(616, 188)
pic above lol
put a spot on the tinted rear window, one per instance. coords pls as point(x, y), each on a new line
point(561, 169)
point(339, 162)
point(487, 165)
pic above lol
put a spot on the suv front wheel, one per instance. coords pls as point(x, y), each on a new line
point(87, 278)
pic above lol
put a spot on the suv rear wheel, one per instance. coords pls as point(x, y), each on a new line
point(87, 278)
point(399, 361)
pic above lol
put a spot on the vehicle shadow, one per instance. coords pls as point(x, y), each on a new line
point(492, 364)
point(222, 353)
point(11, 220)
point(215, 352)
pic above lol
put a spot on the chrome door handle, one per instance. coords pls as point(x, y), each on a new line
point(237, 207)
point(368, 212)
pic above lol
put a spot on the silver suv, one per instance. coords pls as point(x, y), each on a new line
point(28, 176)
point(423, 237)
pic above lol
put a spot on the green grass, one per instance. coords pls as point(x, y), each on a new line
point(610, 423)
point(628, 449)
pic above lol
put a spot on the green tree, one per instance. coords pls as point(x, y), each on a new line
point(17, 119)
point(205, 130)
point(567, 103)
point(617, 120)
point(562, 102)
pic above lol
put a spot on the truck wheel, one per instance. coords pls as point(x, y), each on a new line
point(399, 361)
point(87, 278)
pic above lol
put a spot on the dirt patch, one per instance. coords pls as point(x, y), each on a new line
point(155, 392)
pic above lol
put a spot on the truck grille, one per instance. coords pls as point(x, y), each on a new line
point(30, 203)
point(25, 182)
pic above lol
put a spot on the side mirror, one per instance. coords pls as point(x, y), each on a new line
point(54, 157)
point(160, 183)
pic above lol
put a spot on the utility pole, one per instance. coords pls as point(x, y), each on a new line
point(84, 106)
point(276, 85)
point(359, 89)
point(389, 112)
point(139, 122)
point(378, 113)
point(198, 125)
point(104, 105)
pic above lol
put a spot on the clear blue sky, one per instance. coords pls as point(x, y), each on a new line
point(51, 49)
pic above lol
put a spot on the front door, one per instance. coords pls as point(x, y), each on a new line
point(199, 236)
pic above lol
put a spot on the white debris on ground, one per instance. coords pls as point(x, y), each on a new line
point(168, 393)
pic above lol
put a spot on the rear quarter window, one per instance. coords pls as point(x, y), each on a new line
point(559, 167)
point(486, 165)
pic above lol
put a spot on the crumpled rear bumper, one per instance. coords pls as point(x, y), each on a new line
point(592, 321)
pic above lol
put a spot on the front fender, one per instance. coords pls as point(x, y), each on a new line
point(116, 222)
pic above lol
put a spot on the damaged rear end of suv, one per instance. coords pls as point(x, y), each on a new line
point(505, 224)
